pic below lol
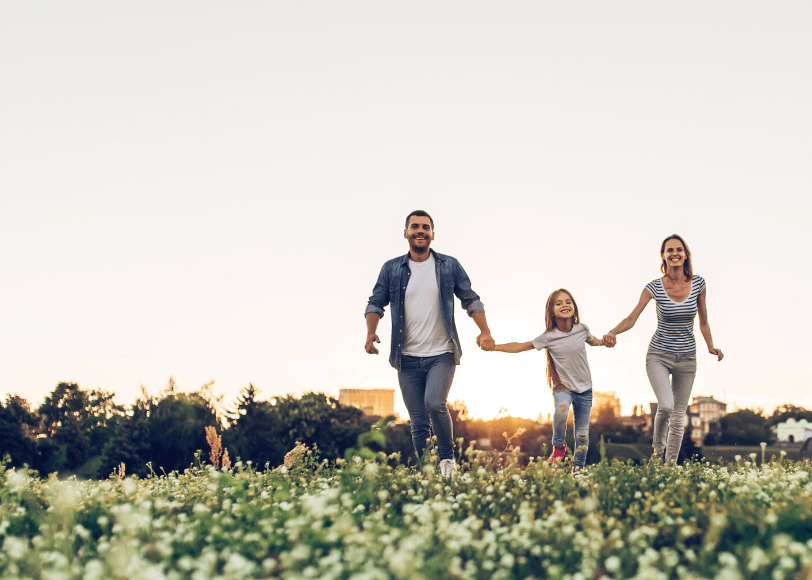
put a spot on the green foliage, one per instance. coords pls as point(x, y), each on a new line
point(744, 427)
point(369, 518)
point(18, 430)
point(789, 411)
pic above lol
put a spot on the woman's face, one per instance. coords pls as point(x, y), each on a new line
point(563, 306)
point(674, 254)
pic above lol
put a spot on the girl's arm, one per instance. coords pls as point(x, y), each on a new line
point(596, 342)
point(629, 321)
point(704, 327)
point(514, 347)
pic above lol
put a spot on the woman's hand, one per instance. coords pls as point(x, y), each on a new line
point(609, 340)
point(717, 352)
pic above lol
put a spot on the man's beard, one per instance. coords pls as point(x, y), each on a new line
point(419, 249)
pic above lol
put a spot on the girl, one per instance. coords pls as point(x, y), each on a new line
point(680, 296)
point(567, 372)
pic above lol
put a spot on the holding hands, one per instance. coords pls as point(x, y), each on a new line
point(609, 340)
point(485, 341)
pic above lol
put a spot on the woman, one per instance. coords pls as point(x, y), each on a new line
point(680, 296)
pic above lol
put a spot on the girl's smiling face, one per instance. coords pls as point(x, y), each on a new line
point(563, 306)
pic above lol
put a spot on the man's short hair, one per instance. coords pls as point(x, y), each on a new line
point(419, 213)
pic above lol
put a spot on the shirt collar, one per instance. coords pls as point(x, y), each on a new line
point(404, 261)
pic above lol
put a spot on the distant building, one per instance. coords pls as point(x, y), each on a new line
point(606, 400)
point(702, 412)
point(792, 431)
point(379, 402)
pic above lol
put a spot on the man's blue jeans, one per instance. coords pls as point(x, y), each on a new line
point(424, 384)
point(581, 407)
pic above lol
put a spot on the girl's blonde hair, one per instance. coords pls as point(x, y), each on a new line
point(549, 319)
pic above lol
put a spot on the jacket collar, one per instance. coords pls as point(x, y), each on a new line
point(404, 261)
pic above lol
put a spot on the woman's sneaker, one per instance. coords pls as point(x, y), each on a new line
point(448, 467)
point(558, 455)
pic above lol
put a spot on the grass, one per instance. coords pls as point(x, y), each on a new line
point(372, 518)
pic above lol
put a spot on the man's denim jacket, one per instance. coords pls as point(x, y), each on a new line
point(391, 289)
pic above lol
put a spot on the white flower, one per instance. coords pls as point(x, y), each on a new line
point(15, 547)
point(612, 564)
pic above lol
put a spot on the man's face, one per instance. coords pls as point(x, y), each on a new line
point(419, 234)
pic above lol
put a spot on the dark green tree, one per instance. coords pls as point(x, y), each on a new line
point(318, 419)
point(789, 411)
point(177, 428)
point(744, 427)
point(18, 430)
point(76, 425)
point(130, 442)
point(63, 416)
point(255, 431)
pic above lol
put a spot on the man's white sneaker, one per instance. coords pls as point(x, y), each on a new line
point(448, 467)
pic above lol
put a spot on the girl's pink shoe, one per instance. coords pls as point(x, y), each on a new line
point(558, 455)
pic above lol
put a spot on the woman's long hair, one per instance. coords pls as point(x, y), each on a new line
point(687, 265)
point(549, 319)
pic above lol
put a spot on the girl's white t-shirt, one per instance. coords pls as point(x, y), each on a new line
point(568, 350)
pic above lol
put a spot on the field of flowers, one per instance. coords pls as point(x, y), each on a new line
point(371, 518)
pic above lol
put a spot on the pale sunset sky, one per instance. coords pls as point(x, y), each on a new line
point(208, 190)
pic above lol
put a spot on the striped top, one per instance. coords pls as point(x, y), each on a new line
point(675, 320)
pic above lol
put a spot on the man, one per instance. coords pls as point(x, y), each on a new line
point(420, 288)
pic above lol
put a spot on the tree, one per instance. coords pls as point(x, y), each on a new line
point(318, 419)
point(177, 428)
point(63, 413)
point(744, 427)
point(76, 425)
point(255, 430)
point(18, 429)
point(789, 411)
point(688, 449)
point(130, 443)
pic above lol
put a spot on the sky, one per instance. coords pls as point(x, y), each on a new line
point(208, 191)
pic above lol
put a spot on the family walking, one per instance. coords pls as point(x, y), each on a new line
point(419, 288)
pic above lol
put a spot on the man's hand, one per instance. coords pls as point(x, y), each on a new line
point(371, 340)
point(485, 341)
point(717, 352)
point(609, 340)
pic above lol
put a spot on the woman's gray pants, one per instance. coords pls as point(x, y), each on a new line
point(673, 394)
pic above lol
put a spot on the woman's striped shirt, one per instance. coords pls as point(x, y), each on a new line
point(675, 320)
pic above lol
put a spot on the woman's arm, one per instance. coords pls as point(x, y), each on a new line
point(628, 322)
point(704, 327)
point(514, 347)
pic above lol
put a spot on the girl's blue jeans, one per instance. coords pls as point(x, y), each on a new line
point(581, 408)
point(424, 384)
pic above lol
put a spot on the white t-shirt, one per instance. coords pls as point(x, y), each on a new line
point(568, 350)
point(425, 329)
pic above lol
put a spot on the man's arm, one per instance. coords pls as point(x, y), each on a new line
point(484, 340)
point(373, 318)
point(473, 305)
point(375, 309)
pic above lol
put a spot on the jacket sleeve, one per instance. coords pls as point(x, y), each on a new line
point(380, 293)
point(462, 288)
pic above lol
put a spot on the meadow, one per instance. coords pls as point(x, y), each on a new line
point(370, 517)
